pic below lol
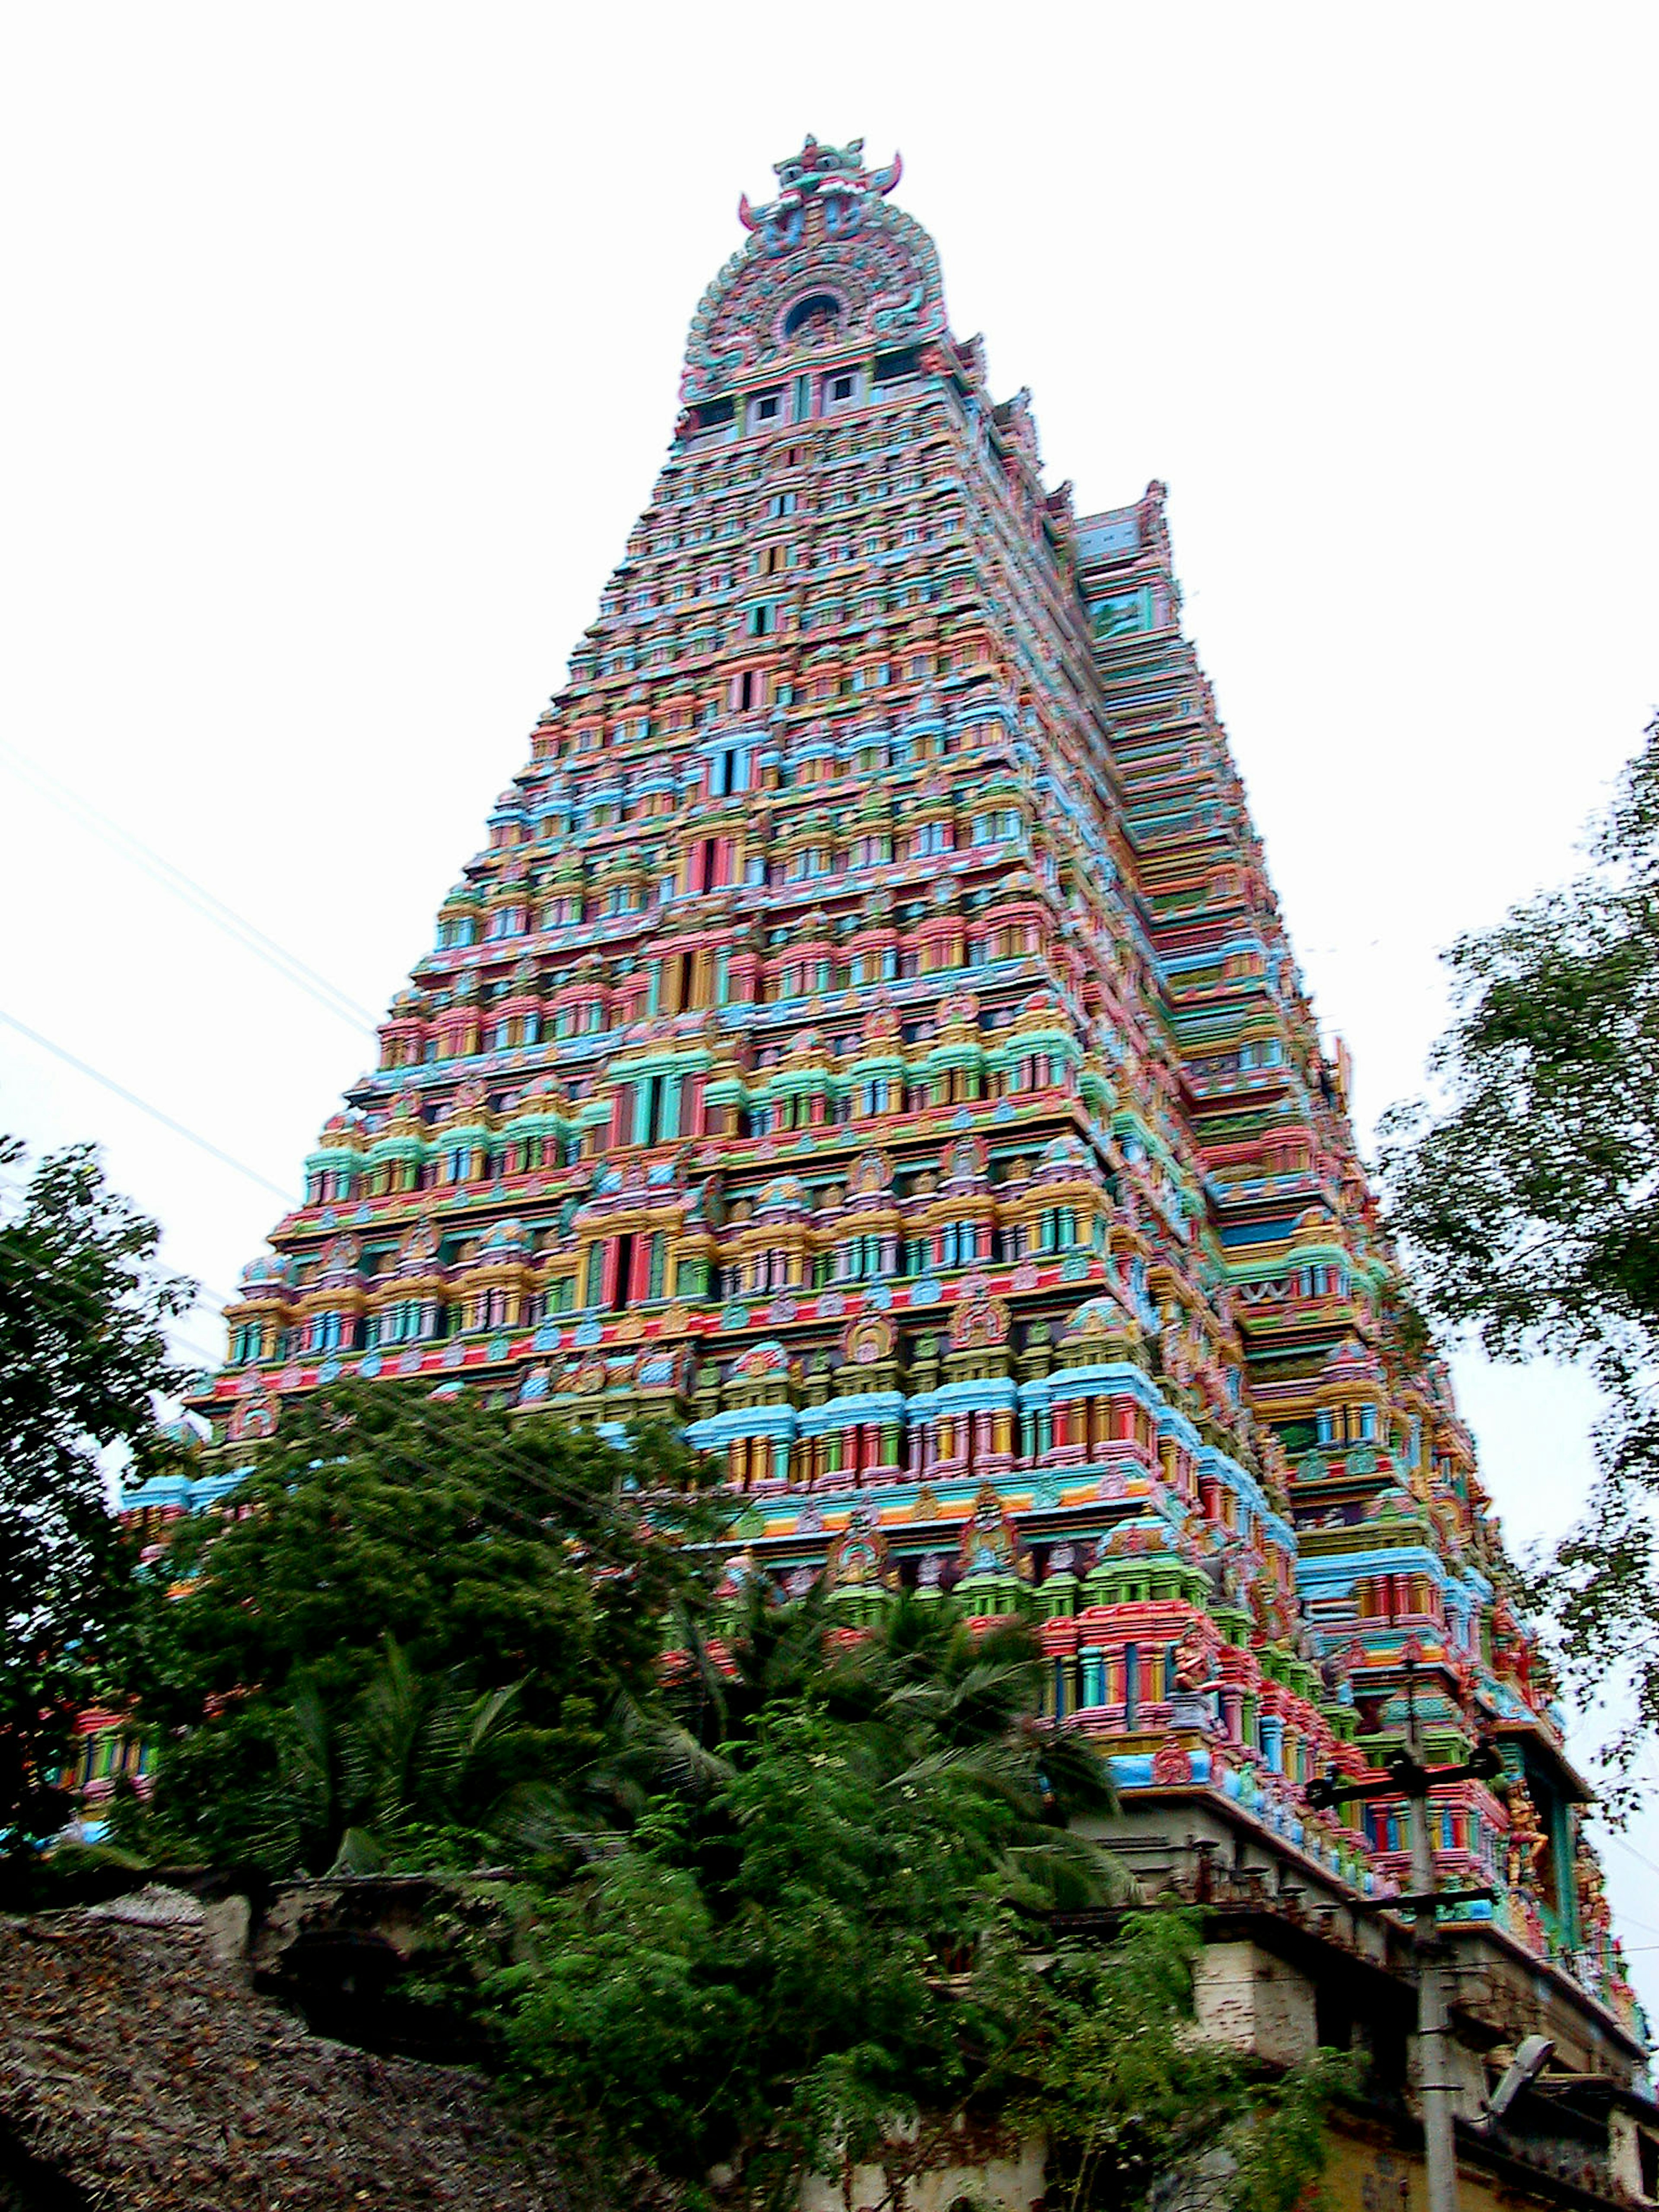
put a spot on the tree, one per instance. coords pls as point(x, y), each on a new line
point(813, 1929)
point(396, 1581)
point(84, 1358)
point(826, 1943)
point(1128, 2096)
point(920, 1692)
point(1530, 1203)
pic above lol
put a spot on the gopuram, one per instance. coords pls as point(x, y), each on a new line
point(868, 1037)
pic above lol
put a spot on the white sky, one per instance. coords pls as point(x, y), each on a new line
point(342, 349)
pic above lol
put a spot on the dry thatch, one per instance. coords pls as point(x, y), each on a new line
point(137, 2068)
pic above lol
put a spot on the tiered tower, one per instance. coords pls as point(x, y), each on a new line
point(869, 1037)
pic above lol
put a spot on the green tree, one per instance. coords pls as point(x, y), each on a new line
point(924, 1694)
point(1129, 2098)
point(809, 1936)
point(826, 1941)
point(397, 1578)
point(817, 1934)
point(83, 1357)
point(416, 1771)
point(1530, 1202)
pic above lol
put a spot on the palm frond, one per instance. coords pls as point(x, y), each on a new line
point(535, 1817)
point(359, 1853)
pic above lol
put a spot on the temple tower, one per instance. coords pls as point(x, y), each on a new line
point(868, 1037)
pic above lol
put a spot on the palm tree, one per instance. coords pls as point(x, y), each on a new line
point(922, 1698)
point(351, 1789)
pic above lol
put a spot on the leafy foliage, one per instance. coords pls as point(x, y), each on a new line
point(933, 1702)
point(1531, 1203)
point(409, 1774)
point(819, 1947)
point(83, 1308)
point(1130, 2100)
point(783, 1909)
point(406, 1609)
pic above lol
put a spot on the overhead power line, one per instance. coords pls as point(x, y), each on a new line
point(1612, 1837)
point(143, 1105)
point(502, 1457)
point(69, 1299)
point(184, 887)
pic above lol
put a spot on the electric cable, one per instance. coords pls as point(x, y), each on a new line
point(501, 1457)
point(185, 888)
point(294, 970)
point(1612, 1837)
point(207, 1292)
point(120, 1091)
point(112, 831)
point(499, 1454)
point(68, 1298)
point(178, 1127)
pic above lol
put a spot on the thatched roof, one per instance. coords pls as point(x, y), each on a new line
point(137, 2068)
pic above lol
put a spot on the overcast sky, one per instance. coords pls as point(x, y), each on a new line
point(341, 350)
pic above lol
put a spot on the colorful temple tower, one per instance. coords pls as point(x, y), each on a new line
point(869, 1037)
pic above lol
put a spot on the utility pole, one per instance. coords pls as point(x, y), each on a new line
point(1437, 2078)
point(1408, 1778)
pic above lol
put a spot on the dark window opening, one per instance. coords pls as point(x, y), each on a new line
point(819, 312)
point(905, 362)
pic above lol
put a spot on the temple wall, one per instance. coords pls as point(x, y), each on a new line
point(1252, 2003)
point(1014, 2183)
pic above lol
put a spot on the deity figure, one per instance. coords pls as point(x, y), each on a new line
point(1590, 1887)
point(1527, 1840)
point(1192, 1658)
point(988, 1542)
point(859, 1560)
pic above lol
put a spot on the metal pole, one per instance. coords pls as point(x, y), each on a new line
point(1408, 1778)
point(1436, 2081)
point(1437, 2078)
